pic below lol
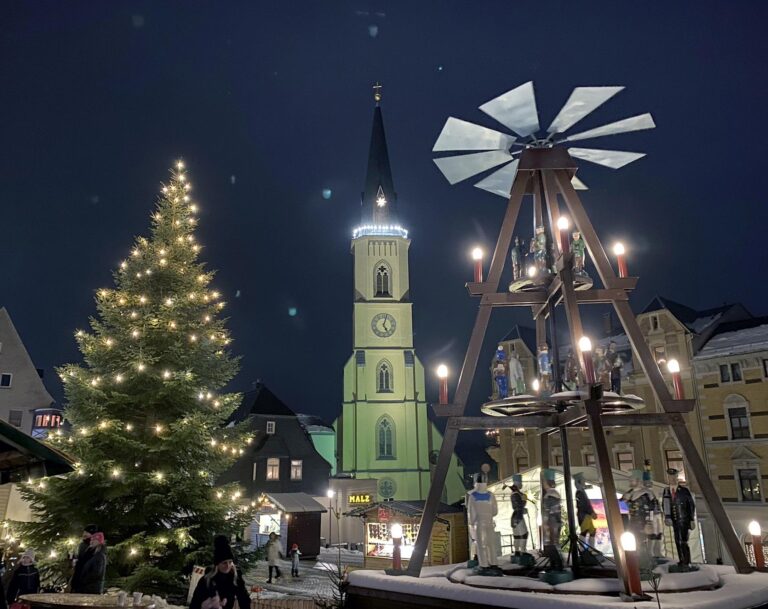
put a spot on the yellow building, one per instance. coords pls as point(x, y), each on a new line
point(731, 371)
point(674, 331)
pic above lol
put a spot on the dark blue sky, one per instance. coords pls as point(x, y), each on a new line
point(98, 98)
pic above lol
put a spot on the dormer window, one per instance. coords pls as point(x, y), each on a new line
point(270, 427)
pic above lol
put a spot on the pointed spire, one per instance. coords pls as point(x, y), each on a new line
point(379, 200)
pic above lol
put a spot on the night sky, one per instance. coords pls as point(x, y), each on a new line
point(271, 103)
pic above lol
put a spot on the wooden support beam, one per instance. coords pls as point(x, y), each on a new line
point(467, 374)
point(643, 419)
point(527, 421)
point(478, 289)
point(447, 410)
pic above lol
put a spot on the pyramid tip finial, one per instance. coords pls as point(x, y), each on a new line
point(377, 92)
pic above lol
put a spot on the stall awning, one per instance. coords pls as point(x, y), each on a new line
point(18, 450)
point(294, 503)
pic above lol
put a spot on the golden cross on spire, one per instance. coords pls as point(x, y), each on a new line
point(377, 92)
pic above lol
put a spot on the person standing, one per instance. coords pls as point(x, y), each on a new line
point(25, 578)
point(294, 553)
point(519, 527)
point(273, 556)
point(680, 512)
point(585, 513)
point(81, 556)
point(94, 568)
point(223, 583)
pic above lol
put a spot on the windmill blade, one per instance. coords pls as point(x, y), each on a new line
point(500, 182)
point(582, 101)
point(633, 123)
point(615, 159)
point(578, 184)
point(460, 167)
point(462, 135)
point(515, 109)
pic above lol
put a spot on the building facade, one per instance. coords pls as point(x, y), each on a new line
point(21, 387)
point(282, 457)
point(671, 330)
point(384, 431)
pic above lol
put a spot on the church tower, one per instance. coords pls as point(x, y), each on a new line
point(384, 431)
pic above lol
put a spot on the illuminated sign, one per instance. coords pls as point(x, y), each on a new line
point(360, 499)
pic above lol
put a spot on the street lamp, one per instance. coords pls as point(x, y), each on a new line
point(330, 493)
point(442, 374)
point(477, 256)
point(757, 544)
point(674, 369)
point(619, 251)
point(396, 530)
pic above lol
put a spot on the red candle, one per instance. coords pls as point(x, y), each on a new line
point(585, 346)
point(677, 382)
point(477, 256)
point(618, 249)
point(442, 374)
point(562, 226)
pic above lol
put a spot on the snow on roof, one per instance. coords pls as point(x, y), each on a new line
point(294, 503)
point(745, 340)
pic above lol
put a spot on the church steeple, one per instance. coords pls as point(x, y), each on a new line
point(379, 200)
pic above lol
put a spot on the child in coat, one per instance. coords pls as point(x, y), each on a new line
point(294, 553)
point(25, 578)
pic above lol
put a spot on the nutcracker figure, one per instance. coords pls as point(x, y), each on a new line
point(578, 247)
point(516, 377)
point(481, 508)
point(680, 513)
point(516, 256)
point(551, 520)
point(519, 512)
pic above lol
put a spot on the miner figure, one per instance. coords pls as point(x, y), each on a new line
point(519, 512)
point(578, 247)
point(640, 500)
point(680, 512)
point(516, 256)
point(481, 509)
point(551, 519)
point(500, 373)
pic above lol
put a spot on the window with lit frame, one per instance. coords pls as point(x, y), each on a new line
point(296, 469)
point(749, 483)
point(273, 468)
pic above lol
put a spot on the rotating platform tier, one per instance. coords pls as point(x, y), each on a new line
point(519, 405)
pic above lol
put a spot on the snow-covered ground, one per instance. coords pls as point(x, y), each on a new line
point(734, 591)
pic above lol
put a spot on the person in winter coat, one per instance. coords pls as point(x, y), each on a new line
point(25, 578)
point(223, 584)
point(83, 553)
point(94, 568)
point(273, 556)
point(294, 553)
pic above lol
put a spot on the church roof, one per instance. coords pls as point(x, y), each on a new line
point(379, 186)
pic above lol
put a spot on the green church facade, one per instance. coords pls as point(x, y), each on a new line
point(384, 431)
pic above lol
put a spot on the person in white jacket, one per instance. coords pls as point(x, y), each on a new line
point(273, 556)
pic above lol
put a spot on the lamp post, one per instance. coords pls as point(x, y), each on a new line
point(562, 226)
point(442, 374)
point(619, 251)
point(477, 256)
point(585, 346)
point(757, 544)
point(330, 495)
point(674, 369)
point(396, 530)
point(629, 545)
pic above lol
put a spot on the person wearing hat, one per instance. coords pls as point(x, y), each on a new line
point(585, 513)
point(223, 584)
point(519, 511)
point(551, 519)
point(481, 508)
point(81, 556)
point(25, 578)
point(294, 553)
point(93, 568)
point(679, 512)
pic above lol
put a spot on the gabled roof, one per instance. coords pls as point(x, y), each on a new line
point(18, 450)
point(695, 321)
point(523, 333)
point(314, 424)
point(742, 453)
point(261, 401)
point(295, 503)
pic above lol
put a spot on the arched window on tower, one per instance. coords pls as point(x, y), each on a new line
point(384, 377)
point(385, 438)
point(383, 281)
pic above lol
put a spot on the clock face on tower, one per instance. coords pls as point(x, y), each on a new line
point(383, 325)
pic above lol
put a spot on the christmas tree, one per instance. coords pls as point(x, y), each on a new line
point(147, 415)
